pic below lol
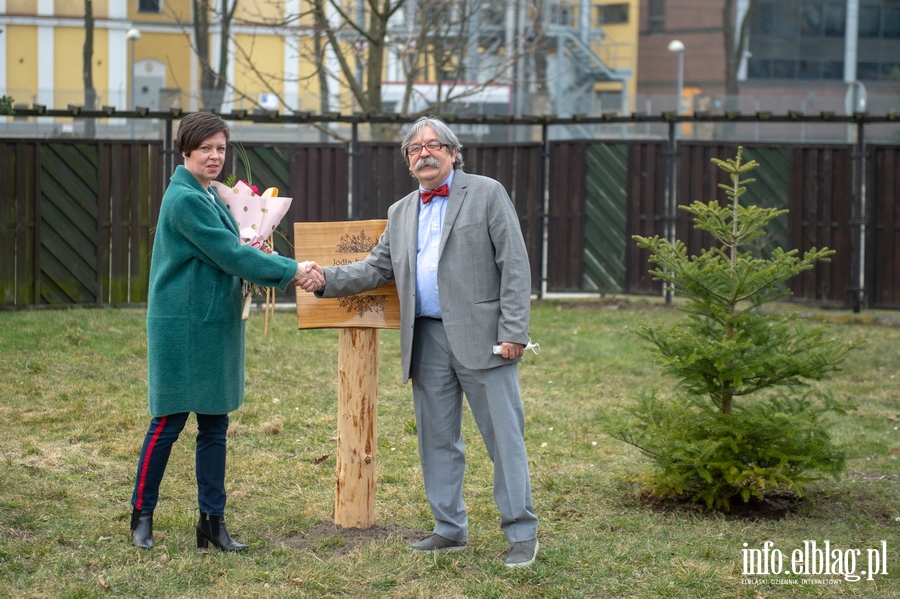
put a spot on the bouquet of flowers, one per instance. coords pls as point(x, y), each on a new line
point(257, 216)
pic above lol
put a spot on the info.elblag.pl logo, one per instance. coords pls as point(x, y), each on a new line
point(813, 559)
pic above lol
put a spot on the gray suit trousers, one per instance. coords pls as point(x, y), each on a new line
point(439, 381)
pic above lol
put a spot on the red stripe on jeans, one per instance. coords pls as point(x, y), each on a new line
point(146, 465)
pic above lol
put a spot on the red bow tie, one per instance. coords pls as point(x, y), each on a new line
point(442, 191)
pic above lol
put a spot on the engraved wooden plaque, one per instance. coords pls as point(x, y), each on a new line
point(333, 244)
point(358, 317)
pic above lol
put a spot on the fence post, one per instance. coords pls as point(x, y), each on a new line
point(856, 289)
point(545, 206)
point(669, 218)
point(169, 153)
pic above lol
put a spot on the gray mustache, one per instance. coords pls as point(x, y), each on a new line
point(427, 161)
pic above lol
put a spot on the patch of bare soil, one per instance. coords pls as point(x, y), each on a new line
point(774, 507)
point(330, 539)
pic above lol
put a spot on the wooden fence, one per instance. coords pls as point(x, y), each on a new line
point(75, 221)
point(76, 217)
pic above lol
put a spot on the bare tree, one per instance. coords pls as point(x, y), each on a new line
point(90, 95)
point(319, 58)
point(213, 82)
point(367, 42)
point(461, 46)
point(735, 45)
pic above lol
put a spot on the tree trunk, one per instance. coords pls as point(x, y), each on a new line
point(222, 78)
point(201, 38)
point(90, 95)
point(725, 407)
point(731, 84)
point(735, 46)
point(375, 69)
point(319, 56)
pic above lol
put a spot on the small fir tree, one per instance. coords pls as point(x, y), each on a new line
point(703, 444)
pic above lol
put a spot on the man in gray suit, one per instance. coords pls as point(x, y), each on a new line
point(455, 250)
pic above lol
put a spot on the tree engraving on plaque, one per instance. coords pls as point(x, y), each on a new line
point(357, 244)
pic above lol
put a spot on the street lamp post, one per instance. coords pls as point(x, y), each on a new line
point(132, 35)
point(678, 47)
point(671, 155)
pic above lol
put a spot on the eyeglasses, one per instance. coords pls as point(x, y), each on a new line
point(433, 146)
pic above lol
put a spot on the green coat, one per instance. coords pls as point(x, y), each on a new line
point(195, 335)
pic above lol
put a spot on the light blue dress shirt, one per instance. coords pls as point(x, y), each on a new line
point(428, 245)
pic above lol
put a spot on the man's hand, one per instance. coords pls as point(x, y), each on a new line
point(511, 351)
point(310, 276)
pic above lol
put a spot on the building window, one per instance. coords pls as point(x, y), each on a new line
point(784, 69)
point(811, 20)
point(874, 71)
point(608, 101)
point(890, 71)
point(777, 17)
point(794, 69)
point(770, 68)
point(828, 18)
point(891, 22)
point(562, 15)
point(867, 70)
point(611, 14)
point(810, 69)
point(758, 68)
point(869, 21)
point(832, 69)
point(150, 6)
point(657, 15)
point(835, 19)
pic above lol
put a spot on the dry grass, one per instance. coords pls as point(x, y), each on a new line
point(73, 412)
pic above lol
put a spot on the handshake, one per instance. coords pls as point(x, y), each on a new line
point(310, 276)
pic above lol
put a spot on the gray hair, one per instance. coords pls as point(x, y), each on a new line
point(443, 132)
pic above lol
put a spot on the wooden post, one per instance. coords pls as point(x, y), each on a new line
point(354, 500)
point(358, 317)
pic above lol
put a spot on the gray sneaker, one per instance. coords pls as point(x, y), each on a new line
point(436, 542)
point(522, 553)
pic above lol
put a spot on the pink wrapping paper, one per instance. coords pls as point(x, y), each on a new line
point(257, 216)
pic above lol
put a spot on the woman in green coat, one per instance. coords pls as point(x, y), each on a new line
point(195, 333)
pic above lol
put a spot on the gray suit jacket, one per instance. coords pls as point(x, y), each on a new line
point(484, 278)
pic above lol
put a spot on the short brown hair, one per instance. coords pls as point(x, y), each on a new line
point(196, 127)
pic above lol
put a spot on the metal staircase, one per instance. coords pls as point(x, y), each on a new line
point(580, 69)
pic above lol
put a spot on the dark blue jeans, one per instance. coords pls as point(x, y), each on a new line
point(210, 461)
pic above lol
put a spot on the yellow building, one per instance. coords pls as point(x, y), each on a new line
point(42, 43)
point(618, 49)
point(144, 54)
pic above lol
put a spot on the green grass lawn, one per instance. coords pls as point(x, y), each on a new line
point(73, 413)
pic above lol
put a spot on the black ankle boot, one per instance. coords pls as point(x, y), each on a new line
point(212, 529)
point(142, 529)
